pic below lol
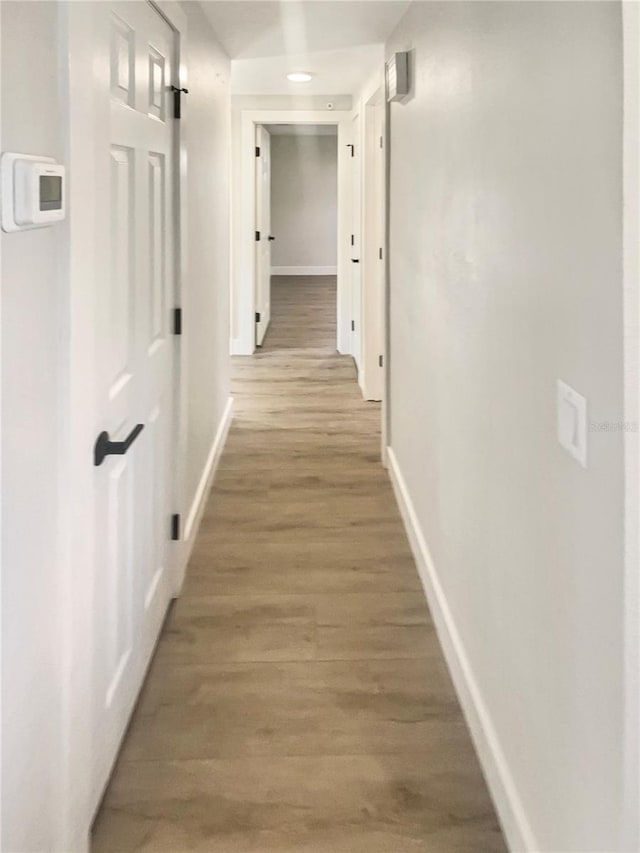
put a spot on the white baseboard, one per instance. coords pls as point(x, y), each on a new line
point(204, 486)
point(241, 347)
point(304, 270)
point(516, 827)
point(202, 492)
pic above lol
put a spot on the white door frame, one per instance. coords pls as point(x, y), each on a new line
point(263, 245)
point(631, 313)
point(357, 239)
point(84, 138)
point(374, 251)
point(244, 249)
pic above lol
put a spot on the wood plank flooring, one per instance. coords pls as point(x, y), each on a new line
point(298, 700)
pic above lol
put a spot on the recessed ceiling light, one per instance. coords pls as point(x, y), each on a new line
point(299, 76)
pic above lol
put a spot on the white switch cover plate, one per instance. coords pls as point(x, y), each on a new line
point(572, 422)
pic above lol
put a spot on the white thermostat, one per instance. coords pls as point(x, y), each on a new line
point(33, 192)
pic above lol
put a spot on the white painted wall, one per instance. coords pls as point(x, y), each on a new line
point(304, 204)
point(33, 333)
point(506, 274)
point(206, 316)
point(631, 301)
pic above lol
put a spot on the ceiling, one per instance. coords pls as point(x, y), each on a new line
point(302, 129)
point(339, 41)
point(335, 72)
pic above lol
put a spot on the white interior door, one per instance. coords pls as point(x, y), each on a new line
point(356, 247)
point(264, 237)
point(135, 369)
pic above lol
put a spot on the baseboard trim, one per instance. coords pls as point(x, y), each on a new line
point(304, 270)
point(206, 480)
point(241, 347)
point(192, 522)
point(516, 827)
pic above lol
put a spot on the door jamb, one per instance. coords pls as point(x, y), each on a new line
point(244, 246)
point(357, 177)
point(372, 321)
point(386, 308)
point(258, 161)
point(175, 16)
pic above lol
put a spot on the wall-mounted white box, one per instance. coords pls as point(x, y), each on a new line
point(572, 422)
point(32, 192)
point(397, 76)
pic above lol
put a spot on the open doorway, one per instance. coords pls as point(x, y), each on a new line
point(296, 235)
point(251, 257)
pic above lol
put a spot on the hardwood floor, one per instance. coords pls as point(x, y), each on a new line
point(298, 700)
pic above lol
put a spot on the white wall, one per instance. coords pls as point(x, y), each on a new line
point(206, 316)
point(304, 204)
point(506, 274)
point(33, 333)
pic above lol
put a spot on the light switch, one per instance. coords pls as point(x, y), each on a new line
point(572, 422)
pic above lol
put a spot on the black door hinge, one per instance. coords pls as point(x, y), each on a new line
point(353, 325)
point(353, 150)
point(353, 239)
point(177, 100)
point(381, 143)
point(257, 316)
point(257, 150)
point(177, 321)
point(257, 236)
point(380, 361)
point(380, 253)
point(175, 527)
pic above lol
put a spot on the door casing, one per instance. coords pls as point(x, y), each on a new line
point(357, 244)
point(374, 248)
point(244, 244)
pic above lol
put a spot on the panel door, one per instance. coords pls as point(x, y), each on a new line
point(134, 203)
point(263, 228)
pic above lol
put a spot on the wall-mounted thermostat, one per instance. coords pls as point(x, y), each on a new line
point(33, 192)
point(397, 75)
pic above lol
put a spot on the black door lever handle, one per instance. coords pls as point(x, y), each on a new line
point(271, 239)
point(355, 260)
point(105, 447)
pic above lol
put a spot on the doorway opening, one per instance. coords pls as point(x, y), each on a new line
point(296, 235)
point(250, 296)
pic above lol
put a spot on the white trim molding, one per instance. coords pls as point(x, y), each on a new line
point(236, 347)
point(243, 239)
point(198, 503)
point(631, 337)
point(515, 824)
point(304, 270)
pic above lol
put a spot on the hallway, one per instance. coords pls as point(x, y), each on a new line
point(298, 700)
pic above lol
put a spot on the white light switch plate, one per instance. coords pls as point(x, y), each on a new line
point(572, 422)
